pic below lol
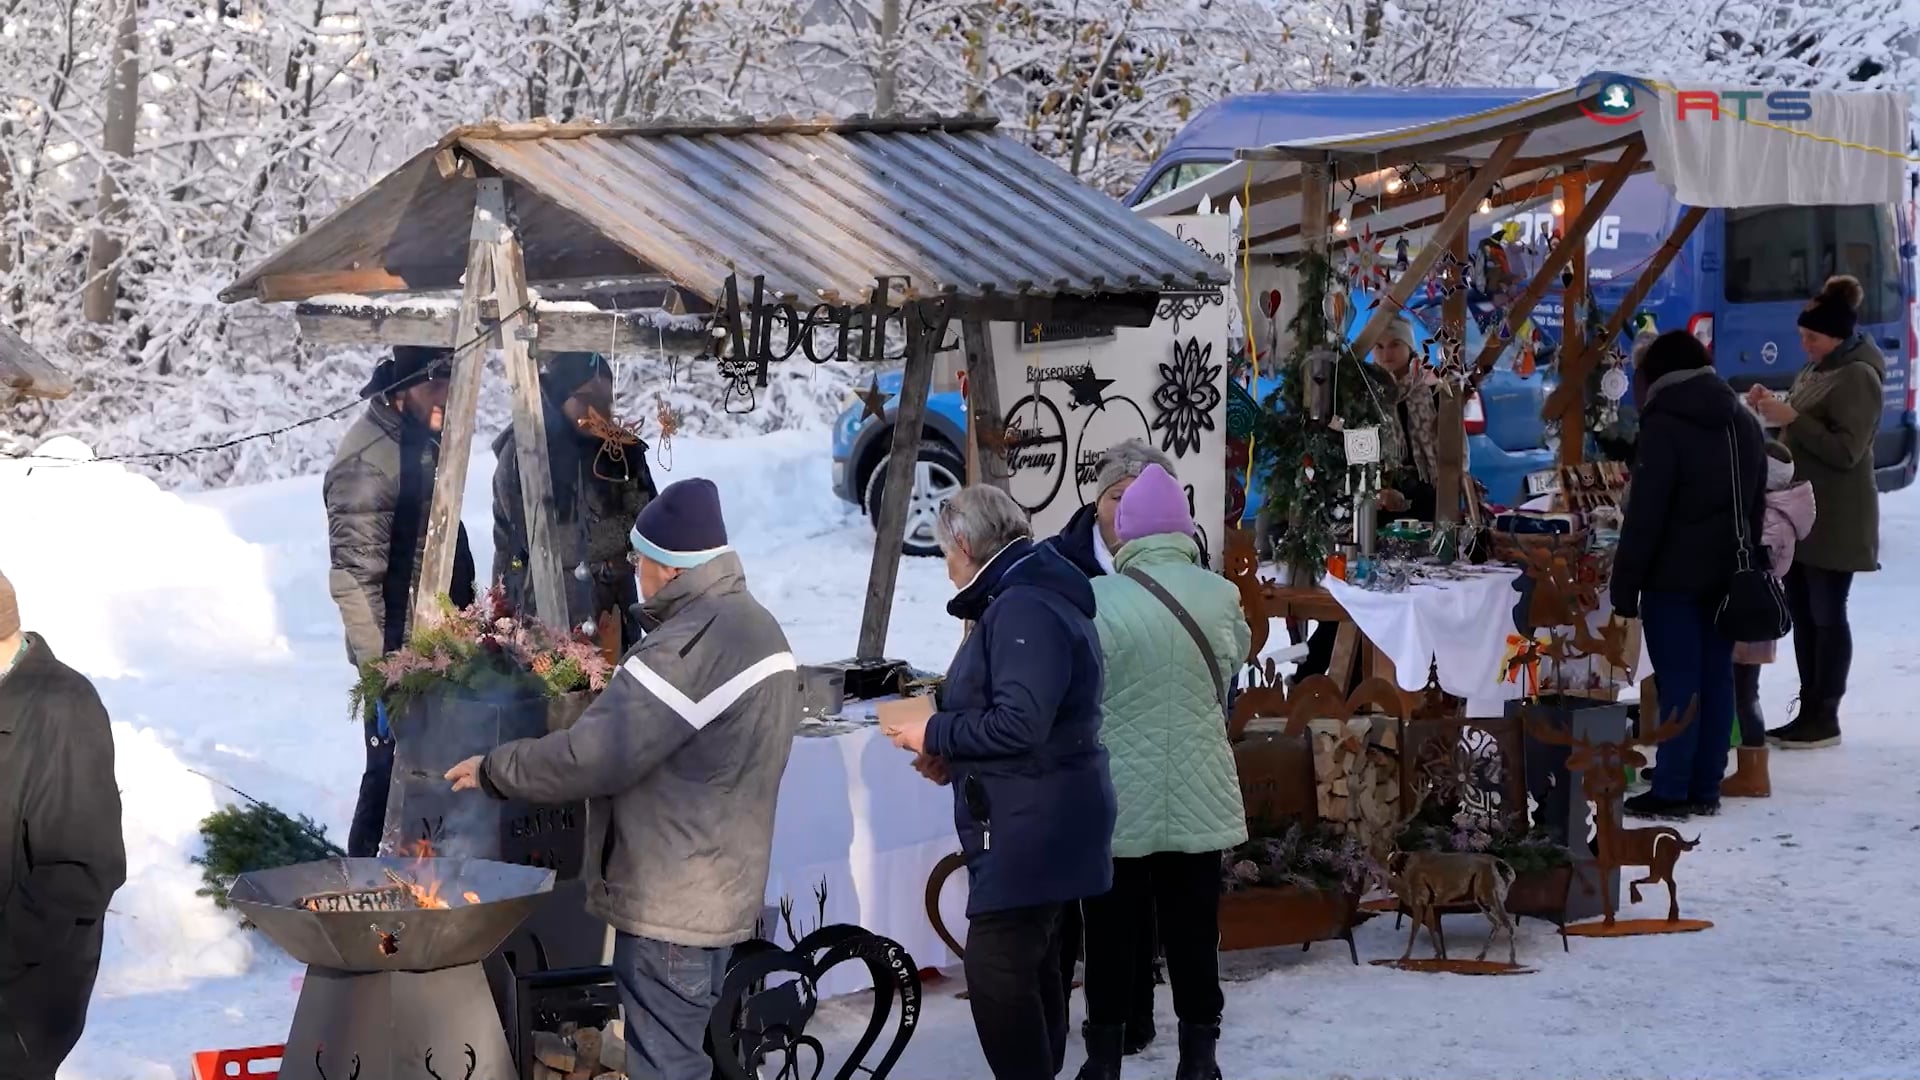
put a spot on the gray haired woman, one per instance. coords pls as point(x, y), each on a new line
point(1088, 541)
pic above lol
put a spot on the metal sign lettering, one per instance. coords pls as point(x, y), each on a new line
point(856, 331)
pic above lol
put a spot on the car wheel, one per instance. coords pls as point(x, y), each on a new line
point(938, 473)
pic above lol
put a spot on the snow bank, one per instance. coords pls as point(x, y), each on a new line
point(120, 576)
point(160, 935)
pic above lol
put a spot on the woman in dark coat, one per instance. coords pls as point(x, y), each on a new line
point(1016, 732)
point(1828, 421)
point(62, 856)
point(1677, 554)
point(596, 496)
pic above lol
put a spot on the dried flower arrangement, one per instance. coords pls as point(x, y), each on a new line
point(1527, 850)
point(1308, 856)
point(485, 650)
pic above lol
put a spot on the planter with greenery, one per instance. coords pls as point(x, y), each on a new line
point(1293, 885)
point(1542, 868)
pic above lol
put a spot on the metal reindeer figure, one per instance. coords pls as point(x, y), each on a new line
point(1604, 770)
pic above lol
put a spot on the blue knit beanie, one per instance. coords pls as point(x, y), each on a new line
point(682, 526)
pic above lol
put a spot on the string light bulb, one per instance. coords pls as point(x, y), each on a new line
point(1340, 226)
point(1394, 185)
point(1486, 206)
point(1559, 207)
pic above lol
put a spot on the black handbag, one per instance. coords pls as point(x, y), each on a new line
point(1755, 607)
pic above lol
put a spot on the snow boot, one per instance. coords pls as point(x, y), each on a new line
point(1794, 716)
point(1650, 805)
point(1749, 779)
point(1139, 1036)
point(1197, 1045)
point(1816, 729)
point(1104, 1046)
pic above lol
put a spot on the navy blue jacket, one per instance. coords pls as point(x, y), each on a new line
point(1018, 723)
point(1075, 542)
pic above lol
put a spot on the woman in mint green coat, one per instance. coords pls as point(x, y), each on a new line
point(1164, 725)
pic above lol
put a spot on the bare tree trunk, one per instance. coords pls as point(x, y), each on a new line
point(1100, 68)
point(886, 61)
point(116, 144)
point(979, 71)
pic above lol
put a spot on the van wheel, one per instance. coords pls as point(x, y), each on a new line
point(938, 473)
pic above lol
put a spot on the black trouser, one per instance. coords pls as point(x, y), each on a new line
point(370, 812)
point(1013, 985)
point(1822, 640)
point(1746, 704)
point(1319, 651)
point(1072, 938)
point(1182, 893)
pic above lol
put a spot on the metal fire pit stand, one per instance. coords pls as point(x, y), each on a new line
point(393, 991)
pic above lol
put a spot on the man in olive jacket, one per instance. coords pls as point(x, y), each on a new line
point(378, 493)
point(63, 856)
point(680, 759)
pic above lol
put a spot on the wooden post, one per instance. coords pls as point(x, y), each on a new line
point(456, 433)
point(544, 571)
point(1551, 266)
point(1452, 443)
point(924, 330)
point(1690, 220)
point(1466, 200)
point(984, 421)
point(1574, 361)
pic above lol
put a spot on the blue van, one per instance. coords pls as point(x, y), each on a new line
point(1737, 285)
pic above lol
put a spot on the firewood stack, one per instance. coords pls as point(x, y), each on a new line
point(580, 1053)
point(1356, 774)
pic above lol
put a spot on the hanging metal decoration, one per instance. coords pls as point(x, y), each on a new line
point(1449, 276)
point(738, 397)
point(1369, 267)
point(1186, 397)
point(669, 421)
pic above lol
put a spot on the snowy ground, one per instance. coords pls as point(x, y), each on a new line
point(206, 624)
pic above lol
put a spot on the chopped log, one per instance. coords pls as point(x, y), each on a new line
point(552, 1051)
point(384, 898)
point(613, 1049)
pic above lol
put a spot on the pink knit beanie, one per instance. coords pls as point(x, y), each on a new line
point(1154, 503)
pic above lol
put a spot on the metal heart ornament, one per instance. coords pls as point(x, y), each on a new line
point(754, 1024)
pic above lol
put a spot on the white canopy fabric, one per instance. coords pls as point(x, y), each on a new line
point(1851, 150)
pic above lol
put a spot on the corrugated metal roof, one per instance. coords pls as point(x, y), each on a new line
point(820, 210)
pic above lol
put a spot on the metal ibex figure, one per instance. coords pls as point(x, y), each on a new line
point(1604, 769)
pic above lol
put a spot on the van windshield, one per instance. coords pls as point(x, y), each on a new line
point(1779, 253)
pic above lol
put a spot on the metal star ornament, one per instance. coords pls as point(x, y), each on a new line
point(1087, 389)
point(873, 400)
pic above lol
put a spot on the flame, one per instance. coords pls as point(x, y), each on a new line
point(427, 894)
point(470, 897)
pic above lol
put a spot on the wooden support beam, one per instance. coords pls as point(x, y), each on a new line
point(458, 420)
point(1575, 236)
point(985, 424)
point(530, 447)
point(1459, 212)
point(383, 325)
point(926, 325)
point(1689, 220)
point(1574, 359)
point(278, 287)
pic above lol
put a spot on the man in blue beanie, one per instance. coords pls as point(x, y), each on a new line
point(681, 759)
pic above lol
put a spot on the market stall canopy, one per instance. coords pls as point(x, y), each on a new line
point(25, 373)
point(819, 209)
point(1713, 146)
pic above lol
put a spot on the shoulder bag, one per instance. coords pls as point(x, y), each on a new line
point(1755, 608)
point(1192, 628)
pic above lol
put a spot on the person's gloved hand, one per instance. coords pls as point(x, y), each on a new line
point(380, 727)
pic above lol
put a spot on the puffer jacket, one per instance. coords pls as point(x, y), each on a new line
point(379, 491)
point(590, 533)
point(1018, 722)
point(1161, 720)
point(62, 856)
point(680, 762)
point(1790, 516)
point(1838, 402)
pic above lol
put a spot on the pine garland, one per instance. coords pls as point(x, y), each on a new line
point(259, 837)
point(1305, 462)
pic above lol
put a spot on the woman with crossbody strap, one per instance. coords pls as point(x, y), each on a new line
point(1171, 633)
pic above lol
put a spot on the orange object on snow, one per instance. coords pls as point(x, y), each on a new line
point(237, 1064)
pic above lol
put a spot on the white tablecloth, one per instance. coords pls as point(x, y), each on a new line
point(1459, 626)
point(855, 815)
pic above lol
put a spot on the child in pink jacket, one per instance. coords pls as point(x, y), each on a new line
point(1789, 516)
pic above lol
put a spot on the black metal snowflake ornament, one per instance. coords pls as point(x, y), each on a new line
point(1452, 353)
point(1186, 397)
point(1449, 275)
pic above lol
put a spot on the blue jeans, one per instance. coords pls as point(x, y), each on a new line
point(1690, 658)
point(667, 994)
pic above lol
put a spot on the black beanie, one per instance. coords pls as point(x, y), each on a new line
point(682, 526)
point(410, 365)
point(1675, 350)
point(1836, 310)
point(569, 371)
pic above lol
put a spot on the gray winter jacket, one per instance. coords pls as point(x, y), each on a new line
point(680, 760)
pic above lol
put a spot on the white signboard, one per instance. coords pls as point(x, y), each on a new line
point(1069, 394)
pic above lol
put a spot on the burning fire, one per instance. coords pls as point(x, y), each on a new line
point(426, 894)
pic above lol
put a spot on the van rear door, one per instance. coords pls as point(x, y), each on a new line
point(1772, 260)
